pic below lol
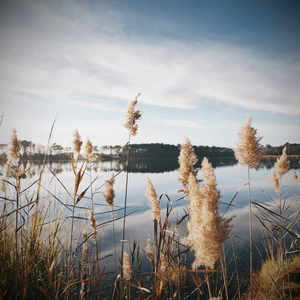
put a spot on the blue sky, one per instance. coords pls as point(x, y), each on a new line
point(202, 67)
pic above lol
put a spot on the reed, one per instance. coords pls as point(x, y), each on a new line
point(13, 168)
point(281, 167)
point(132, 117)
point(207, 229)
point(43, 255)
point(152, 196)
point(249, 153)
point(187, 160)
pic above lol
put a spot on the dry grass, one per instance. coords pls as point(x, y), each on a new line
point(278, 279)
point(38, 263)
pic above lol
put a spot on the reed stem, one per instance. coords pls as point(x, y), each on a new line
point(125, 206)
point(250, 235)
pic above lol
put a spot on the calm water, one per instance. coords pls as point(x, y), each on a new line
point(230, 178)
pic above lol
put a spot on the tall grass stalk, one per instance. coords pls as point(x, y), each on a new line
point(224, 272)
point(125, 205)
point(250, 232)
point(248, 153)
point(132, 117)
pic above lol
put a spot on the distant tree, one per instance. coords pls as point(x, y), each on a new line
point(24, 145)
point(118, 149)
point(56, 148)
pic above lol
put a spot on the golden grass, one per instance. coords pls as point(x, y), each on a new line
point(36, 263)
point(249, 151)
point(278, 279)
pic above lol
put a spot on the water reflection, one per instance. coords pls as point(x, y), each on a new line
point(231, 178)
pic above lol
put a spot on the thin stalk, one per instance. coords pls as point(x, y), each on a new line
point(237, 271)
point(92, 200)
point(73, 213)
point(224, 273)
point(156, 256)
point(96, 266)
point(280, 199)
point(72, 228)
point(114, 235)
point(208, 284)
point(17, 217)
point(125, 206)
point(250, 235)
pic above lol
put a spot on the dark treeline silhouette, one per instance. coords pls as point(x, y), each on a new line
point(154, 165)
point(269, 162)
point(158, 157)
point(160, 150)
point(291, 149)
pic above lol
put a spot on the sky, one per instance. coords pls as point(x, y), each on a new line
point(202, 67)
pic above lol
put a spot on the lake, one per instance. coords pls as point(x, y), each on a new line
point(231, 179)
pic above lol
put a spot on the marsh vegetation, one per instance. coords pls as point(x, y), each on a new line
point(72, 231)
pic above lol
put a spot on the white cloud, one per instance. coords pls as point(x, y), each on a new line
point(84, 62)
point(58, 57)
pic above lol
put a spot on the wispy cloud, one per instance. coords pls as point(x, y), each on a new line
point(68, 58)
point(78, 62)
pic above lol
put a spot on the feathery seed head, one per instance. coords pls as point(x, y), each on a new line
point(13, 153)
point(88, 150)
point(187, 159)
point(249, 151)
point(152, 196)
point(127, 271)
point(282, 164)
point(207, 229)
point(76, 145)
point(109, 193)
point(208, 172)
point(132, 117)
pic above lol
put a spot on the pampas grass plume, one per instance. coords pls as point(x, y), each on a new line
point(109, 193)
point(76, 144)
point(132, 117)
point(13, 153)
point(207, 230)
point(282, 164)
point(127, 271)
point(152, 196)
point(88, 150)
point(187, 159)
point(249, 151)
